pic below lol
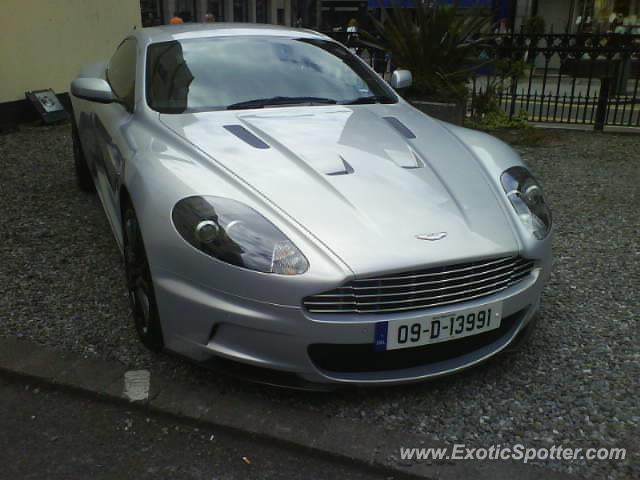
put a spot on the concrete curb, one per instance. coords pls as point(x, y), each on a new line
point(342, 439)
point(584, 127)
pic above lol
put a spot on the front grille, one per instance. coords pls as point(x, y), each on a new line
point(361, 357)
point(427, 288)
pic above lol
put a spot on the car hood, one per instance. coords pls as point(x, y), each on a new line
point(358, 182)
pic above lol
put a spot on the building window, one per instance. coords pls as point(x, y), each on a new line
point(186, 9)
point(151, 12)
point(262, 11)
point(240, 11)
point(603, 8)
point(305, 12)
point(216, 8)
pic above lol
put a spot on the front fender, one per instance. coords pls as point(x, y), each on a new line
point(496, 156)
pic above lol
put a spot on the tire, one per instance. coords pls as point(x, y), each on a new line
point(140, 284)
point(83, 175)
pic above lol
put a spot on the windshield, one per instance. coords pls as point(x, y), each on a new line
point(256, 72)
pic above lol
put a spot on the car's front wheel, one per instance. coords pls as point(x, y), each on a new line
point(139, 283)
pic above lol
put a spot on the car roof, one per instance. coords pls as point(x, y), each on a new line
point(185, 31)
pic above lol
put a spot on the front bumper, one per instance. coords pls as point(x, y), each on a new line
point(205, 325)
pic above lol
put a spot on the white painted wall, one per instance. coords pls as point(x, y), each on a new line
point(43, 43)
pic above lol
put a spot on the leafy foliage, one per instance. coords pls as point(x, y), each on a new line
point(438, 43)
point(498, 120)
point(487, 112)
point(506, 72)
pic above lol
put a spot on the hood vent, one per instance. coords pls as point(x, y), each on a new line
point(246, 136)
point(420, 163)
point(400, 127)
point(348, 169)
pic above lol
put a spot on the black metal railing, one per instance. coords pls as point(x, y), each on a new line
point(589, 79)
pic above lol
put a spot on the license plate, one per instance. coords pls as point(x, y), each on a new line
point(437, 328)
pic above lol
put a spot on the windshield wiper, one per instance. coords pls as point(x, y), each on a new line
point(264, 102)
point(369, 99)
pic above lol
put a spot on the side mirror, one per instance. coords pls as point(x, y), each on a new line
point(92, 89)
point(401, 79)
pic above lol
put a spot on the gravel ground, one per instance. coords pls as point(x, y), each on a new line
point(576, 382)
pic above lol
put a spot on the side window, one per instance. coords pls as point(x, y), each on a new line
point(121, 73)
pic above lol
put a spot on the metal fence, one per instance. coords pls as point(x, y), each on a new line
point(590, 79)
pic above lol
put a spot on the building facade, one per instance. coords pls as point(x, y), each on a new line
point(323, 15)
point(280, 12)
point(572, 16)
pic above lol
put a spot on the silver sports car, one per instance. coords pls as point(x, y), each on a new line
point(284, 214)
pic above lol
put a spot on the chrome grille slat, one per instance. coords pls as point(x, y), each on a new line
point(521, 274)
point(404, 309)
point(422, 299)
point(478, 279)
point(430, 282)
point(511, 273)
point(432, 274)
point(415, 292)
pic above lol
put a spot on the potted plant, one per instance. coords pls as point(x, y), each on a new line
point(441, 46)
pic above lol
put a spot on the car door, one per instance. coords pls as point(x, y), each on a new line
point(112, 126)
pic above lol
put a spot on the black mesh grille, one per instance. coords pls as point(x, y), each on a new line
point(416, 290)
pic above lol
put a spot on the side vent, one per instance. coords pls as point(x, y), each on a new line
point(400, 127)
point(246, 136)
point(348, 169)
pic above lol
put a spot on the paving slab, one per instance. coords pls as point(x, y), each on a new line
point(184, 399)
point(92, 375)
point(38, 362)
point(15, 351)
point(341, 438)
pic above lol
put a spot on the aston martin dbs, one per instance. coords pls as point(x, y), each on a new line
point(283, 212)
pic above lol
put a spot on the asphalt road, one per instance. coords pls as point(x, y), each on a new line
point(49, 434)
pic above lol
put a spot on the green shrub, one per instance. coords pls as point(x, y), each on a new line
point(438, 43)
point(498, 120)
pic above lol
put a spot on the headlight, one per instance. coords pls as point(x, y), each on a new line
point(525, 194)
point(234, 233)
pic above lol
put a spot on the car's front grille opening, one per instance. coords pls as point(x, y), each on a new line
point(361, 357)
point(420, 289)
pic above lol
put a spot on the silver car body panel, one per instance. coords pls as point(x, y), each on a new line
point(348, 225)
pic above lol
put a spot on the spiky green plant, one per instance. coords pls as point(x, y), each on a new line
point(438, 43)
